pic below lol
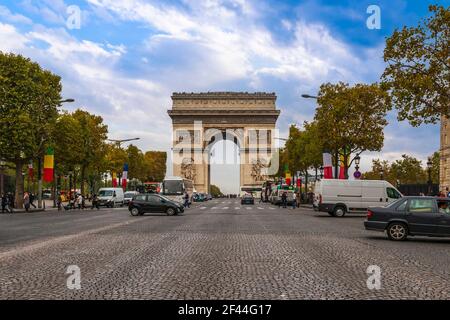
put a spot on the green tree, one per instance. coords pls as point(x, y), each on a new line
point(435, 166)
point(418, 68)
point(136, 167)
point(91, 139)
point(408, 170)
point(155, 165)
point(381, 169)
point(30, 97)
point(215, 191)
point(351, 120)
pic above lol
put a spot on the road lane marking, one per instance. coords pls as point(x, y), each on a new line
point(225, 208)
point(202, 208)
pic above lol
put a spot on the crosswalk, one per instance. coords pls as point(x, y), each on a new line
point(236, 208)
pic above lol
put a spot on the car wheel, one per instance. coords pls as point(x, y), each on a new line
point(135, 212)
point(397, 231)
point(339, 211)
point(170, 211)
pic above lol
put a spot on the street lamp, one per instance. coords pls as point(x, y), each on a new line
point(66, 101)
point(118, 142)
point(307, 96)
point(321, 172)
point(357, 161)
point(429, 167)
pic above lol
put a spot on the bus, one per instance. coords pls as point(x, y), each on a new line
point(253, 190)
point(175, 188)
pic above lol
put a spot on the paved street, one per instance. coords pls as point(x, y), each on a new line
point(216, 250)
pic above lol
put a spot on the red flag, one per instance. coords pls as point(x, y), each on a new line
point(327, 166)
point(30, 171)
point(114, 180)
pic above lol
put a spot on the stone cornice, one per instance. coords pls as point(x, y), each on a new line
point(222, 112)
point(224, 95)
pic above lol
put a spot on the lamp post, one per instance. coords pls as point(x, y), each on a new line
point(429, 166)
point(321, 172)
point(357, 174)
point(119, 142)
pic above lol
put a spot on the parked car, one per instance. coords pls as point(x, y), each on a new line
point(247, 199)
point(198, 197)
point(128, 196)
point(110, 197)
point(154, 203)
point(209, 197)
point(411, 216)
point(337, 197)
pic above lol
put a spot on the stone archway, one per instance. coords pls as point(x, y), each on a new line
point(200, 119)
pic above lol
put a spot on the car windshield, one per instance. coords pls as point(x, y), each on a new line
point(173, 187)
point(162, 197)
point(105, 193)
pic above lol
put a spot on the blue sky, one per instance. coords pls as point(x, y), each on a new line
point(130, 55)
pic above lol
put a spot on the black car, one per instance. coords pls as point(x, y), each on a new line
point(247, 199)
point(153, 203)
point(411, 216)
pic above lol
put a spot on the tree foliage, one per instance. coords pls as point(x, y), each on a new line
point(407, 170)
point(351, 120)
point(418, 68)
point(29, 100)
point(215, 191)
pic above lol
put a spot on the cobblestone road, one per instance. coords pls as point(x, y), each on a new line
point(216, 250)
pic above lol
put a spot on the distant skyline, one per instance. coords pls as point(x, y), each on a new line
point(128, 56)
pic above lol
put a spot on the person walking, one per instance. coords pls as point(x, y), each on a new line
point(186, 200)
point(4, 201)
point(80, 201)
point(32, 197)
point(294, 200)
point(59, 202)
point(26, 201)
point(95, 203)
point(284, 199)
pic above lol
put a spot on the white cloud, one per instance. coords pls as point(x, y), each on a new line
point(8, 16)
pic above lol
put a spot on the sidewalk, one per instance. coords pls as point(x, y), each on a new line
point(47, 207)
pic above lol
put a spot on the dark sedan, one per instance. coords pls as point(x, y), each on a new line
point(247, 199)
point(154, 203)
point(411, 216)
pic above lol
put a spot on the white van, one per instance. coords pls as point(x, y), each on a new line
point(337, 197)
point(110, 197)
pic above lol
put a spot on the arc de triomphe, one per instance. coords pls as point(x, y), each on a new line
point(201, 119)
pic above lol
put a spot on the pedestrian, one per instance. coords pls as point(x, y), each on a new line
point(80, 201)
point(294, 200)
point(4, 201)
point(95, 203)
point(26, 201)
point(32, 197)
point(186, 200)
point(284, 199)
point(59, 201)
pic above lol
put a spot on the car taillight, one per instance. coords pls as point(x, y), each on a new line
point(369, 214)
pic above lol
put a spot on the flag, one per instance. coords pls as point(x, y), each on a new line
point(341, 167)
point(114, 179)
point(327, 166)
point(49, 164)
point(125, 176)
point(30, 170)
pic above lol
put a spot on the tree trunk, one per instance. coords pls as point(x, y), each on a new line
point(83, 173)
point(346, 156)
point(18, 198)
point(336, 165)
